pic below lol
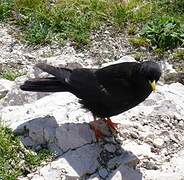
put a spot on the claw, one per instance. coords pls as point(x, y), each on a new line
point(113, 126)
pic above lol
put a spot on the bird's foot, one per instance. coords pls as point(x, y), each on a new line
point(113, 126)
point(98, 133)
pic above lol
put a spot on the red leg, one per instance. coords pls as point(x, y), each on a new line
point(113, 126)
point(98, 133)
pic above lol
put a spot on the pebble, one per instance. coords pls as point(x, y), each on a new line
point(173, 138)
point(103, 173)
point(110, 147)
point(158, 142)
point(149, 165)
point(181, 123)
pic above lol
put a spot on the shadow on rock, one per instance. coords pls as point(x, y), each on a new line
point(78, 153)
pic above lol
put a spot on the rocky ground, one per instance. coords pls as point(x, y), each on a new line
point(150, 144)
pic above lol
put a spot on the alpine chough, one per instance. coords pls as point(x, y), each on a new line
point(106, 91)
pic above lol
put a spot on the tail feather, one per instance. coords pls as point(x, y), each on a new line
point(50, 84)
point(60, 73)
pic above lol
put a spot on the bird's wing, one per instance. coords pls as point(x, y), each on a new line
point(85, 84)
point(118, 77)
point(119, 82)
point(81, 82)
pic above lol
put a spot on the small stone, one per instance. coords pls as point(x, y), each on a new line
point(103, 173)
point(110, 148)
point(22, 178)
point(180, 137)
point(29, 56)
point(127, 158)
point(27, 141)
point(94, 177)
point(173, 138)
point(150, 165)
point(158, 142)
point(181, 123)
point(148, 140)
point(38, 148)
point(134, 135)
point(107, 32)
point(5, 87)
point(49, 173)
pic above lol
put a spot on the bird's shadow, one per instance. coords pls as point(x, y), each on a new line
point(75, 144)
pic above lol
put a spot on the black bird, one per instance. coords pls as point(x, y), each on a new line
point(106, 91)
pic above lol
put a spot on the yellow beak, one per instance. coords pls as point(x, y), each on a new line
point(153, 85)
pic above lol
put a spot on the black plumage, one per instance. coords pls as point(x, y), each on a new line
point(105, 92)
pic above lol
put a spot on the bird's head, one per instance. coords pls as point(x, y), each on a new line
point(151, 71)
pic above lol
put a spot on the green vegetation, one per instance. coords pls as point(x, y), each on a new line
point(139, 41)
point(173, 8)
point(43, 21)
point(5, 9)
point(165, 33)
point(15, 160)
point(32, 160)
point(139, 56)
point(179, 54)
point(132, 29)
point(10, 74)
point(159, 51)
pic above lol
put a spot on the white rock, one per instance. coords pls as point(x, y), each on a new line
point(5, 87)
point(49, 173)
point(174, 93)
point(125, 173)
point(17, 97)
point(172, 170)
point(167, 68)
point(176, 163)
point(22, 178)
point(47, 106)
point(79, 162)
point(94, 177)
point(158, 175)
point(121, 60)
point(137, 149)
point(71, 165)
point(37, 177)
point(158, 142)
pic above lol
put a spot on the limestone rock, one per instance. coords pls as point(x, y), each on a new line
point(121, 60)
point(5, 87)
point(126, 158)
point(73, 164)
point(158, 142)
point(125, 173)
